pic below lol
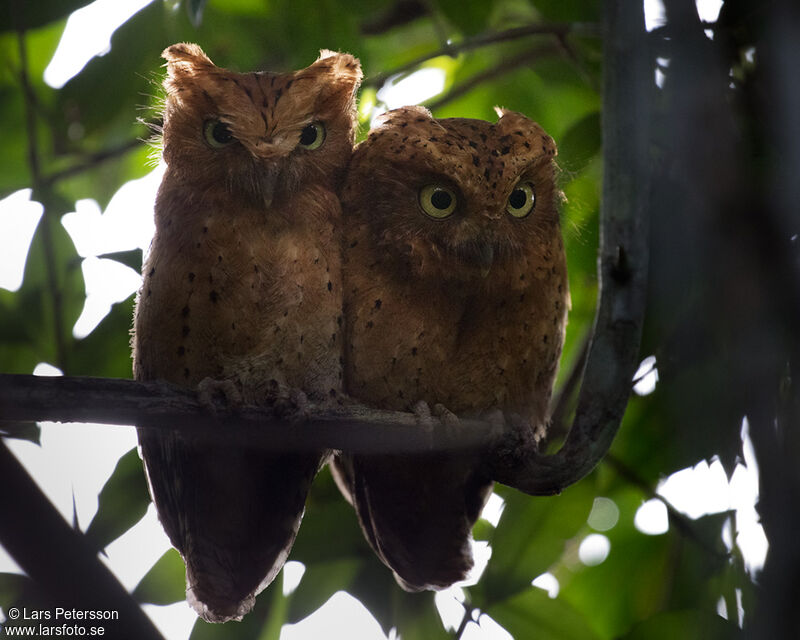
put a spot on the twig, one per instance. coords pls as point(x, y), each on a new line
point(40, 189)
point(504, 67)
point(484, 39)
point(570, 52)
point(59, 560)
point(683, 523)
point(562, 401)
point(91, 161)
point(465, 620)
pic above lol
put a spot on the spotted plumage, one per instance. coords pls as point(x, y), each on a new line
point(455, 293)
point(242, 295)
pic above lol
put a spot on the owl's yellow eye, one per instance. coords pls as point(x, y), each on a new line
point(522, 200)
point(217, 134)
point(437, 201)
point(312, 136)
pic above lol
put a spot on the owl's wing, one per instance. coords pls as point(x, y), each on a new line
point(417, 512)
point(232, 512)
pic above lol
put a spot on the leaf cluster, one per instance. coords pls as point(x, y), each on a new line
point(84, 141)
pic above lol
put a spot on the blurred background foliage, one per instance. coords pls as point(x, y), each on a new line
point(84, 141)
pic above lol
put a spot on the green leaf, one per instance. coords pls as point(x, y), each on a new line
point(29, 431)
point(106, 350)
point(268, 614)
point(468, 17)
point(531, 536)
point(12, 588)
point(121, 77)
point(194, 9)
point(417, 618)
point(330, 530)
point(533, 614)
point(580, 143)
point(52, 293)
point(320, 581)
point(122, 502)
point(29, 15)
point(131, 258)
point(568, 10)
point(165, 583)
point(686, 625)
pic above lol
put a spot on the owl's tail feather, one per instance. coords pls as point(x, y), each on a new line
point(232, 513)
point(219, 611)
point(417, 513)
point(222, 584)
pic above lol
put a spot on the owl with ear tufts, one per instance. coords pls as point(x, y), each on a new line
point(242, 295)
point(455, 296)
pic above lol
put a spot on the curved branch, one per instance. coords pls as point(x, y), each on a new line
point(623, 260)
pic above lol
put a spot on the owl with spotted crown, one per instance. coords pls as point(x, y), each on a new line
point(242, 295)
point(455, 296)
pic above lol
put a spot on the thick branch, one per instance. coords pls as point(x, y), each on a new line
point(38, 188)
point(58, 559)
point(614, 352)
point(160, 405)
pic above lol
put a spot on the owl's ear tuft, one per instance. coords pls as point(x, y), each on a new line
point(409, 116)
point(512, 122)
point(500, 111)
point(343, 66)
point(186, 59)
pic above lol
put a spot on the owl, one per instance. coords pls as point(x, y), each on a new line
point(242, 295)
point(455, 295)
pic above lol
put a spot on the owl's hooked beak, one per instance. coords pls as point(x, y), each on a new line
point(267, 179)
point(267, 156)
point(479, 255)
point(486, 259)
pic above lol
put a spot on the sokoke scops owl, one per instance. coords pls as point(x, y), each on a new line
point(455, 293)
point(242, 291)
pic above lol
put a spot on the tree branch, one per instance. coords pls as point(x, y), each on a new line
point(484, 39)
point(58, 559)
point(495, 72)
point(562, 403)
point(682, 523)
point(160, 405)
point(623, 260)
point(39, 190)
point(93, 160)
point(465, 620)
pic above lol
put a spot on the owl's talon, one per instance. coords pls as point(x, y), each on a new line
point(451, 425)
point(291, 404)
point(218, 396)
point(512, 434)
point(422, 411)
point(425, 422)
point(497, 423)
